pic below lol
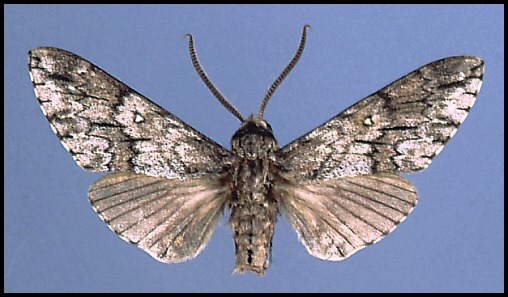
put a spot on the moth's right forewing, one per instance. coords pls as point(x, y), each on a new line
point(170, 219)
point(400, 128)
point(107, 126)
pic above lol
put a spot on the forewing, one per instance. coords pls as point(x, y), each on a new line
point(107, 126)
point(397, 129)
point(171, 219)
point(335, 218)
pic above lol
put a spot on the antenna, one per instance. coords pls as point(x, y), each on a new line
point(208, 83)
point(284, 72)
point(268, 95)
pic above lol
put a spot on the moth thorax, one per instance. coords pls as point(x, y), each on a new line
point(254, 140)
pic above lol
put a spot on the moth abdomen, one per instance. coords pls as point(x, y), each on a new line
point(253, 226)
point(253, 214)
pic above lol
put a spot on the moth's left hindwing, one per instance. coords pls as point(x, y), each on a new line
point(171, 219)
point(107, 126)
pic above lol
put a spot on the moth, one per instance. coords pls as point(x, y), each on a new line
point(338, 185)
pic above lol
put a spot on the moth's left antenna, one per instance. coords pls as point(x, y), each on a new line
point(208, 83)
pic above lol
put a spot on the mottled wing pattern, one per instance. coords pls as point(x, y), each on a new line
point(171, 219)
point(107, 126)
point(397, 129)
point(338, 183)
point(334, 218)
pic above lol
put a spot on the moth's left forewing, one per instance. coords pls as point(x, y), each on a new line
point(108, 126)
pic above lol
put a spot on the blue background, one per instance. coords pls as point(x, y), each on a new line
point(453, 240)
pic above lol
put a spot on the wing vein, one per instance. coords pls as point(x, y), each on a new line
point(158, 210)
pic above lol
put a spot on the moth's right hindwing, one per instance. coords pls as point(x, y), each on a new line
point(107, 126)
point(337, 217)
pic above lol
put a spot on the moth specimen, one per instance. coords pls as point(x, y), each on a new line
point(338, 185)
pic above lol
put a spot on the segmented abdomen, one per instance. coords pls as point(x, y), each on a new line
point(253, 216)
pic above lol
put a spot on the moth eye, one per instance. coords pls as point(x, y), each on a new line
point(368, 120)
point(268, 127)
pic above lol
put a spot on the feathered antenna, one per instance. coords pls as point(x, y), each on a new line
point(208, 83)
point(284, 72)
point(270, 91)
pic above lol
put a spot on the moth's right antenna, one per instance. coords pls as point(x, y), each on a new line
point(207, 81)
point(284, 72)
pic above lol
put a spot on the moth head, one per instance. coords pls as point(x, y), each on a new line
point(254, 139)
point(255, 124)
